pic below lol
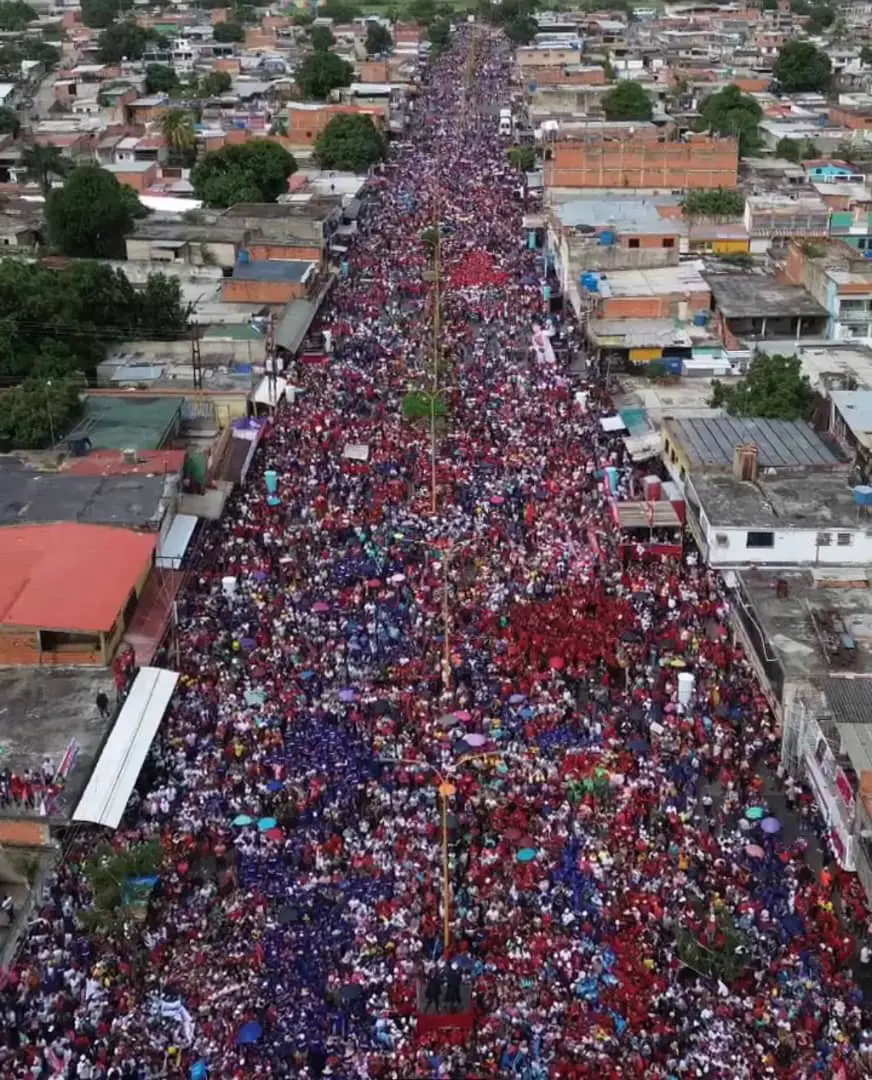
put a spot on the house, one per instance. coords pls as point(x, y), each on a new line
point(776, 218)
point(752, 307)
point(840, 278)
point(139, 175)
point(269, 281)
point(676, 292)
point(181, 242)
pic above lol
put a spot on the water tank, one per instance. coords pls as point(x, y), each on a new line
point(607, 238)
point(673, 365)
point(700, 318)
point(589, 281)
point(863, 495)
point(686, 684)
point(244, 257)
point(129, 456)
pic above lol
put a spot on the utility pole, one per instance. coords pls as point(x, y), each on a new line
point(196, 358)
point(271, 362)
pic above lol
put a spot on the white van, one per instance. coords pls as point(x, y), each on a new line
point(506, 124)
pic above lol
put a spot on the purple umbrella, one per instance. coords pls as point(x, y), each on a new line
point(347, 695)
point(260, 575)
point(474, 739)
point(770, 826)
point(517, 699)
point(248, 643)
point(320, 608)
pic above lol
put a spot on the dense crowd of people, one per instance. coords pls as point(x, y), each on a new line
point(622, 904)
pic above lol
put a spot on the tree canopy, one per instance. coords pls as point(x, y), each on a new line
point(773, 389)
point(796, 150)
point(44, 164)
point(522, 157)
point(713, 202)
point(322, 38)
point(90, 215)
point(522, 29)
point(34, 413)
point(226, 32)
point(98, 14)
point(215, 84)
point(161, 79)
point(340, 11)
point(350, 141)
point(256, 171)
point(10, 123)
point(439, 33)
point(15, 15)
point(800, 66)
point(56, 323)
point(124, 39)
point(627, 101)
point(321, 73)
point(378, 39)
point(730, 112)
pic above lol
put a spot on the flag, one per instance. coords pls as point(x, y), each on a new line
point(175, 1011)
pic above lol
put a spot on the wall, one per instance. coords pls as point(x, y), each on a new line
point(139, 181)
point(533, 58)
point(630, 164)
point(305, 125)
point(650, 307)
point(219, 254)
point(237, 291)
point(212, 350)
point(792, 547)
point(557, 76)
point(286, 252)
point(848, 118)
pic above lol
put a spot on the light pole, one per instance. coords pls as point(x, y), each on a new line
point(49, 412)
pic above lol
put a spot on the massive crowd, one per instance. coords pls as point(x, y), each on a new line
point(619, 909)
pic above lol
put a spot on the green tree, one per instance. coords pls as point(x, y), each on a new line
point(730, 112)
point(44, 164)
point(98, 14)
point(522, 157)
point(321, 73)
point(15, 15)
point(800, 67)
point(378, 39)
point(178, 130)
point(789, 149)
point(160, 79)
point(713, 202)
point(35, 413)
point(90, 215)
point(10, 124)
point(627, 101)
point(866, 55)
point(303, 18)
point(773, 389)
point(215, 84)
point(255, 171)
point(124, 39)
point(522, 29)
point(349, 141)
point(821, 18)
point(322, 38)
point(227, 32)
point(115, 904)
point(422, 11)
point(340, 11)
point(439, 33)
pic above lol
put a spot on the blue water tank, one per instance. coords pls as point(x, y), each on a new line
point(589, 281)
point(244, 257)
point(863, 495)
point(700, 318)
point(673, 365)
point(607, 238)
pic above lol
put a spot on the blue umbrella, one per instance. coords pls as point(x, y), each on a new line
point(199, 1071)
point(526, 854)
point(516, 699)
point(267, 823)
point(306, 675)
point(274, 785)
point(243, 819)
point(347, 695)
point(770, 826)
point(249, 1033)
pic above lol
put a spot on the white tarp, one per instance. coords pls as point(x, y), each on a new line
point(266, 395)
point(105, 798)
point(171, 550)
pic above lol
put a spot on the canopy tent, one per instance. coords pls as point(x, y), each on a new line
point(270, 392)
point(171, 549)
point(105, 798)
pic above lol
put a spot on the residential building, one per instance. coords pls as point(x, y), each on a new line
point(776, 218)
point(752, 307)
point(840, 279)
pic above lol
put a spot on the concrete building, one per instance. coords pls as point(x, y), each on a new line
point(840, 278)
point(751, 307)
point(776, 217)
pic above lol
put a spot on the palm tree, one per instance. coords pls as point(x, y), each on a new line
point(42, 164)
point(177, 129)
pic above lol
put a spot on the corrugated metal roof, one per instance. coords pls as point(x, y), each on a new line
point(850, 700)
point(294, 323)
point(711, 442)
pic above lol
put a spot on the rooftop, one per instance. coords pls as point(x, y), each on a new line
point(130, 421)
point(29, 496)
point(660, 281)
point(291, 270)
point(812, 501)
point(747, 296)
point(787, 622)
point(855, 407)
point(43, 710)
point(827, 363)
point(69, 577)
point(782, 444)
point(640, 215)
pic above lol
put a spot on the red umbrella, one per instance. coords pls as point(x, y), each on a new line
point(557, 663)
point(274, 834)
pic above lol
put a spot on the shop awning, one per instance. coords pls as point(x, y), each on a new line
point(266, 394)
point(108, 791)
point(294, 324)
point(171, 550)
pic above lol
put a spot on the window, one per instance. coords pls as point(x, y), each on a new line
point(633, 242)
point(760, 540)
point(844, 539)
point(669, 241)
point(722, 540)
point(824, 539)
